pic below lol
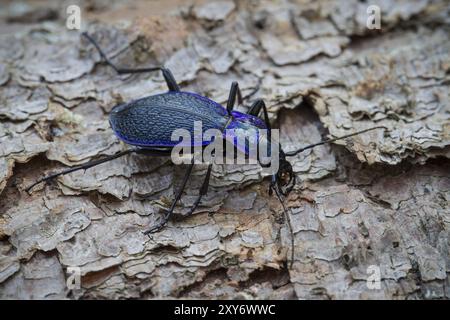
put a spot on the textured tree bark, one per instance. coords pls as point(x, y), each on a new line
point(378, 201)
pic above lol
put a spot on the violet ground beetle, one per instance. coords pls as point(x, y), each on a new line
point(142, 124)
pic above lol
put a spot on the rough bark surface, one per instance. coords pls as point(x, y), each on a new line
point(381, 198)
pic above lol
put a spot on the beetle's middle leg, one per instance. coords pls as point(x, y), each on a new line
point(84, 166)
point(203, 190)
point(169, 212)
point(167, 74)
point(255, 109)
point(234, 92)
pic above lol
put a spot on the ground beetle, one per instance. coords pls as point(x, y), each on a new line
point(147, 124)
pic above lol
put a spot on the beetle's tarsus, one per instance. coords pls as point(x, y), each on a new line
point(28, 189)
point(163, 222)
point(45, 179)
point(155, 228)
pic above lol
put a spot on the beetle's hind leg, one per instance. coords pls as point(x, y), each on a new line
point(167, 74)
point(82, 167)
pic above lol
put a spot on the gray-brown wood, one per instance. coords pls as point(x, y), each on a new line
point(379, 199)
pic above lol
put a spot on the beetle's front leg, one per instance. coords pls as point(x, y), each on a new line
point(169, 212)
point(255, 109)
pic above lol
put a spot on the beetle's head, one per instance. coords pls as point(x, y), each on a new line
point(284, 179)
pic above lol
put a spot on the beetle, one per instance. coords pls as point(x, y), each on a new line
point(146, 124)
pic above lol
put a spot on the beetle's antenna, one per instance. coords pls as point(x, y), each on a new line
point(288, 220)
point(293, 153)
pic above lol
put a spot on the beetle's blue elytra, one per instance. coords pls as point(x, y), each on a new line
point(143, 123)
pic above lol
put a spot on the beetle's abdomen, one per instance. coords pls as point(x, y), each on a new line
point(150, 121)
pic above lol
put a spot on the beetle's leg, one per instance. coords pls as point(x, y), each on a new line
point(255, 109)
point(203, 190)
point(168, 76)
point(83, 167)
point(154, 152)
point(177, 197)
point(234, 91)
